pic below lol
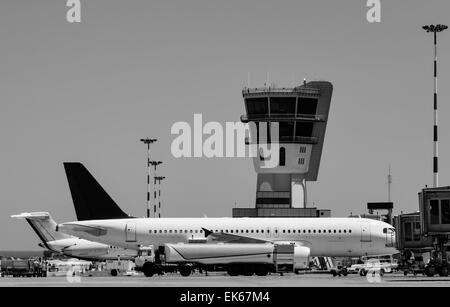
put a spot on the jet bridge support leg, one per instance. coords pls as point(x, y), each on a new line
point(438, 263)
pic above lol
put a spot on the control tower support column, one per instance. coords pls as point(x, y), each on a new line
point(298, 191)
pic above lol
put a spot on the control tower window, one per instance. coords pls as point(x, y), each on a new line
point(307, 106)
point(304, 129)
point(282, 105)
point(286, 131)
point(257, 106)
point(282, 156)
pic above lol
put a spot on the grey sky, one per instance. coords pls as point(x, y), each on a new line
point(87, 92)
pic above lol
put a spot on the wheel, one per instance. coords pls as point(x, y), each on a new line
point(233, 270)
point(261, 271)
point(334, 273)
point(148, 269)
point(114, 272)
point(444, 271)
point(248, 272)
point(362, 272)
point(430, 271)
point(382, 272)
point(185, 270)
point(406, 273)
point(344, 272)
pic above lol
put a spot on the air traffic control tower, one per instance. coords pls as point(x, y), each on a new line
point(302, 114)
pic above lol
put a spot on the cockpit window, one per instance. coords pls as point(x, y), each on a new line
point(388, 230)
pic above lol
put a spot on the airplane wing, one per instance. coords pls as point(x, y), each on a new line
point(216, 237)
point(32, 216)
point(230, 238)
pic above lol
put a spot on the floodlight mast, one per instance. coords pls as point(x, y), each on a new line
point(435, 29)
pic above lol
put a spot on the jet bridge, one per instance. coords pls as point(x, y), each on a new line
point(434, 206)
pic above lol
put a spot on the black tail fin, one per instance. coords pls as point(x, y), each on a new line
point(89, 198)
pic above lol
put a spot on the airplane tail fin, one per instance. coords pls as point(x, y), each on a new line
point(89, 198)
point(44, 226)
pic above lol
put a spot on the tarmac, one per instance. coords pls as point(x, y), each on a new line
point(221, 280)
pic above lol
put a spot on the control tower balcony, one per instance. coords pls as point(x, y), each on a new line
point(282, 118)
point(288, 140)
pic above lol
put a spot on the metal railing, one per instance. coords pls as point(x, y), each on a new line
point(282, 117)
point(287, 140)
point(307, 91)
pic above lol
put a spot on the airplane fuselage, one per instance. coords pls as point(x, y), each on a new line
point(324, 236)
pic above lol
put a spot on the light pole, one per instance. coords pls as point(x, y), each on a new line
point(435, 29)
point(148, 141)
point(159, 179)
point(155, 164)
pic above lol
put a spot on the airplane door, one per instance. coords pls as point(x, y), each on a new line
point(130, 232)
point(365, 233)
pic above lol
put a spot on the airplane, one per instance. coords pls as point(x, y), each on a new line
point(329, 237)
point(71, 246)
point(90, 202)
